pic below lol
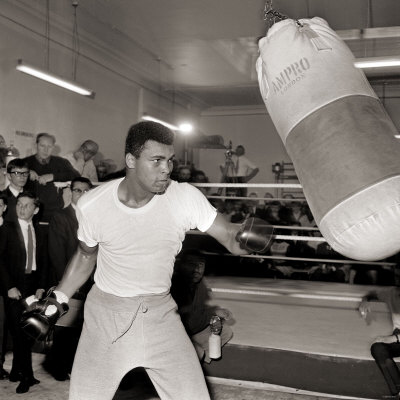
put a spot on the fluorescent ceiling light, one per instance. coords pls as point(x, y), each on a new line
point(377, 62)
point(160, 121)
point(46, 76)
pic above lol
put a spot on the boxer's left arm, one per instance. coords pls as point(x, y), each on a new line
point(226, 232)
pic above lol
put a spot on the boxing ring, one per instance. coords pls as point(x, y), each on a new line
point(300, 334)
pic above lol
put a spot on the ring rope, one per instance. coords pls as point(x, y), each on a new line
point(282, 237)
point(356, 299)
point(267, 200)
point(321, 260)
point(250, 185)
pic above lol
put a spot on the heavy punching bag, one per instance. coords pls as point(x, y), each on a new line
point(338, 135)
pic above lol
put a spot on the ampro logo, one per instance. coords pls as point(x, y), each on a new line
point(290, 75)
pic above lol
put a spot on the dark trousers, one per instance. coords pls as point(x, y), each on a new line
point(22, 344)
point(3, 332)
point(383, 354)
point(60, 358)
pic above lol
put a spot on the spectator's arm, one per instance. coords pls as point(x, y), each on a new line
point(252, 174)
point(64, 171)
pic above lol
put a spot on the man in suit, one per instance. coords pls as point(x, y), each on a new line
point(62, 243)
point(3, 327)
point(22, 274)
point(17, 174)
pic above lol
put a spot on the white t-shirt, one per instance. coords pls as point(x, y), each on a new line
point(138, 246)
point(241, 166)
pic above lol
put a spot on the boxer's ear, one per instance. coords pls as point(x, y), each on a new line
point(130, 160)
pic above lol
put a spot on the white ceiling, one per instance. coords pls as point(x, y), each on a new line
point(206, 49)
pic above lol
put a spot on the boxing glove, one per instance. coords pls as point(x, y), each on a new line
point(40, 316)
point(255, 235)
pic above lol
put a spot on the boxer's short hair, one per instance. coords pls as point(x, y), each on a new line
point(141, 132)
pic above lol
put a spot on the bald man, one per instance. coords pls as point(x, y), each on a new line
point(82, 159)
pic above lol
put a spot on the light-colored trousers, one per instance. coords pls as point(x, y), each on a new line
point(120, 334)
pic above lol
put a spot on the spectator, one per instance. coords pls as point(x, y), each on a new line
point(386, 348)
point(191, 295)
point(271, 213)
point(252, 208)
point(219, 204)
point(279, 249)
point(238, 214)
point(45, 169)
point(82, 159)
point(299, 249)
point(3, 171)
point(22, 274)
point(101, 170)
point(63, 226)
point(3, 327)
point(184, 173)
point(200, 177)
point(242, 170)
point(306, 218)
point(296, 211)
point(18, 174)
point(3, 144)
point(62, 244)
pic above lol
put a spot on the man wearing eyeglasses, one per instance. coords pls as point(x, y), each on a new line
point(82, 159)
point(62, 244)
point(17, 174)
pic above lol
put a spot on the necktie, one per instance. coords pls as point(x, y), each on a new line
point(29, 251)
point(237, 166)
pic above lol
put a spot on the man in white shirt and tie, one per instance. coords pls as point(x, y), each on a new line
point(22, 273)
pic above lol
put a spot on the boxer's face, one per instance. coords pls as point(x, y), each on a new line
point(154, 166)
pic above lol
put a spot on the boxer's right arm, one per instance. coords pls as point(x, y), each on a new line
point(79, 269)
point(41, 315)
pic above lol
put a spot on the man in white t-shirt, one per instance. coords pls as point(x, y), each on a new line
point(239, 169)
point(134, 227)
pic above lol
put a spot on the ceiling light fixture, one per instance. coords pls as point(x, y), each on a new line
point(160, 121)
point(186, 128)
point(48, 77)
point(377, 62)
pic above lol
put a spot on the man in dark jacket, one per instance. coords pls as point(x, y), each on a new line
point(63, 242)
point(45, 169)
point(23, 273)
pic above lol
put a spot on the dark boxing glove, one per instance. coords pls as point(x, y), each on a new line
point(40, 316)
point(255, 235)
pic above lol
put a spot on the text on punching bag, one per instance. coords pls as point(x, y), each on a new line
point(290, 75)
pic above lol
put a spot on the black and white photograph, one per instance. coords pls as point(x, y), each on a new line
point(200, 200)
